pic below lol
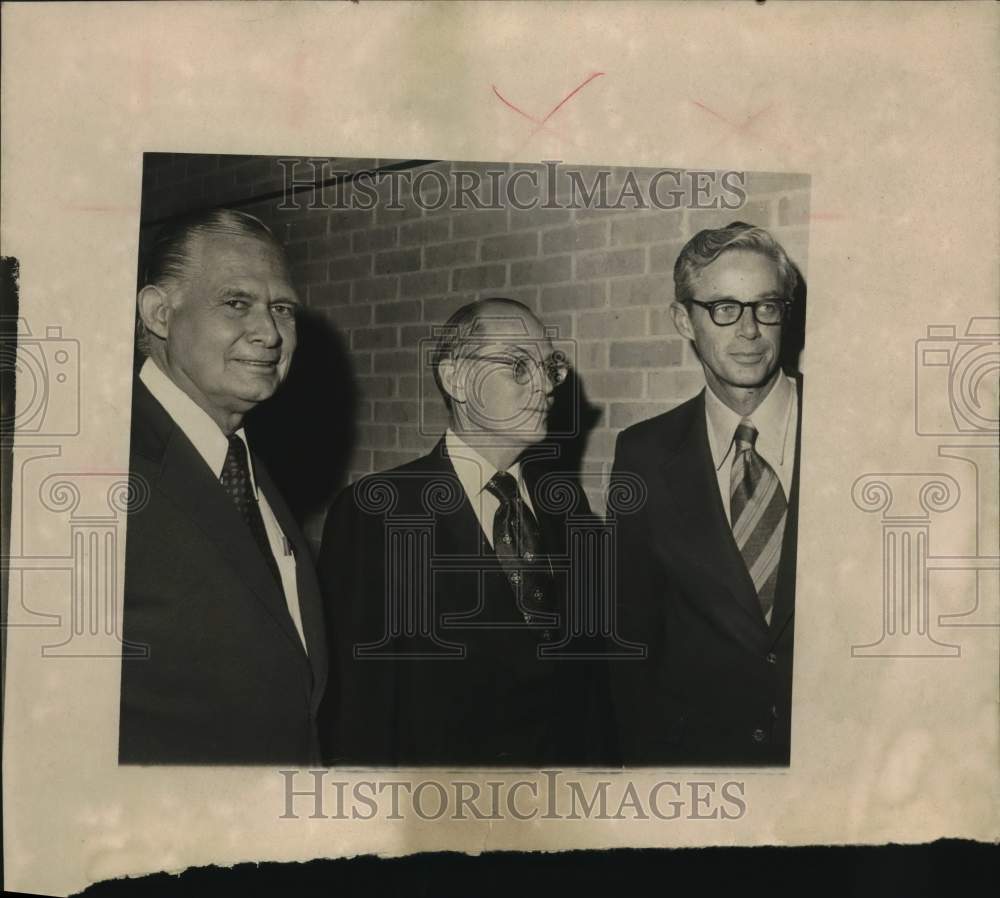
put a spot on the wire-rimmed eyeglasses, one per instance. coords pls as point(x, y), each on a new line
point(523, 367)
point(728, 311)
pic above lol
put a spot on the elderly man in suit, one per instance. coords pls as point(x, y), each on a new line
point(708, 563)
point(448, 618)
point(219, 587)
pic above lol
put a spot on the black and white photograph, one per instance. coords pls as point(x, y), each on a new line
point(470, 464)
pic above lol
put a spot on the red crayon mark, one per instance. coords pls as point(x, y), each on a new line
point(738, 128)
point(744, 130)
point(541, 122)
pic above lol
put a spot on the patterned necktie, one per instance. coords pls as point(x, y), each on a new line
point(757, 511)
point(517, 542)
point(237, 484)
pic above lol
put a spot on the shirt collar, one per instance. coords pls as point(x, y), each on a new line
point(204, 434)
point(473, 471)
point(772, 419)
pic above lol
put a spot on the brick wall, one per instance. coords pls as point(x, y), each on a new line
point(384, 277)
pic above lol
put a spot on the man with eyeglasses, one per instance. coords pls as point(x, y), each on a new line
point(708, 564)
point(448, 606)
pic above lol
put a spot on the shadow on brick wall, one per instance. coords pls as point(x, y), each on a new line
point(306, 432)
point(571, 425)
point(794, 337)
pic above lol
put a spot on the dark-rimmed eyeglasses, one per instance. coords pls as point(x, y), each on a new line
point(724, 312)
point(523, 367)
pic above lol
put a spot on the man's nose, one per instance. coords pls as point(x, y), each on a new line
point(748, 324)
point(543, 377)
point(261, 327)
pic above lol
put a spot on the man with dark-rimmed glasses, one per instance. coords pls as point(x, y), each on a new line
point(445, 598)
point(708, 564)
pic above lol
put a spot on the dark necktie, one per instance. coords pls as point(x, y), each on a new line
point(757, 511)
point(517, 542)
point(237, 484)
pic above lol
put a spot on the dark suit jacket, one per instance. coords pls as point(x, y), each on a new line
point(716, 685)
point(461, 681)
point(226, 680)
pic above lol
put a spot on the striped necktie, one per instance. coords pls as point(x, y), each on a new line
point(757, 510)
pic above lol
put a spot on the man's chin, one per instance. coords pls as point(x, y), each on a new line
point(262, 382)
point(534, 421)
point(514, 436)
point(251, 397)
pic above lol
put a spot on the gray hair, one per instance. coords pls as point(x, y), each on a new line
point(169, 258)
point(706, 246)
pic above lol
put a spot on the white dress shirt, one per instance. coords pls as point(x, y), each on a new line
point(474, 472)
point(213, 445)
point(776, 420)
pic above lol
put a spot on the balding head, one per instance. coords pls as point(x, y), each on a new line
point(496, 369)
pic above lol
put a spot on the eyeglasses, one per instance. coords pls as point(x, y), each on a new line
point(523, 367)
point(728, 311)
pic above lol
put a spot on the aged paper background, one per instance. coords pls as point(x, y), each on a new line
point(890, 108)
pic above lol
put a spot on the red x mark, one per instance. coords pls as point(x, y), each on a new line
point(542, 122)
point(737, 128)
point(744, 128)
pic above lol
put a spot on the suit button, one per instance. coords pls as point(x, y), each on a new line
point(771, 658)
point(759, 735)
point(774, 711)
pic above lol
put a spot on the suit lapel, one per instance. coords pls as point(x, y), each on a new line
point(552, 526)
point(310, 603)
point(186, 481)
point(784, 594)
point(693, 492)
point(456, 532)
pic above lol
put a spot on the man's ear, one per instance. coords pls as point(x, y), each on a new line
point(452, 380)
point(154, 310)
point(682, 320)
